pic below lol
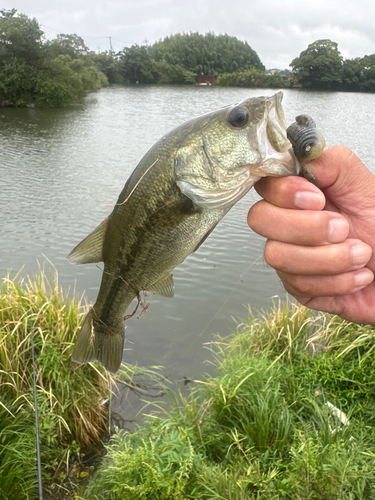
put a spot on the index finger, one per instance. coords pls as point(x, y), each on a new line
point(291, 192)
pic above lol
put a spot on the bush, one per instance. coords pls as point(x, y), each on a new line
point(261, 428)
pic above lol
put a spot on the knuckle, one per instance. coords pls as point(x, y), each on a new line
point(254, 213)
point(296, 285)
point(273, 254)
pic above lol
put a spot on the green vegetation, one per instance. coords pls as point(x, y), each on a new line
point(255, 78)
point(207, 54)
point(47, 74)
point(321, 66)
point(71, 417)
point(261, 428)
point(57, 72)
point(179, 58)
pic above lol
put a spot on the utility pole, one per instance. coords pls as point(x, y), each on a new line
point(110, 42)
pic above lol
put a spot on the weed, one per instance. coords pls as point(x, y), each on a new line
point(71, 417)
point(261, 428)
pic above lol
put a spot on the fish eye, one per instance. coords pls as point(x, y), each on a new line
point(238, 117)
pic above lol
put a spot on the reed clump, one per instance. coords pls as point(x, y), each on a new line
point(289, 414)
point(71, 417)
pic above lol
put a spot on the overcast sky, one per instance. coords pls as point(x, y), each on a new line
point(278, 30)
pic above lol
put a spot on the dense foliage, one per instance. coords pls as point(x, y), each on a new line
point(207, 54)
point(178, 58)
point(71, 417)
point(57, 72)
point(255, 78)
point(33, 71)
point(321, 66)
point(268, 426)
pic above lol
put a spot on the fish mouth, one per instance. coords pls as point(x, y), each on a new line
point(276, 151)
point(276, 127)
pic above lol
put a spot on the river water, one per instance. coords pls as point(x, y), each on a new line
point(59, 167)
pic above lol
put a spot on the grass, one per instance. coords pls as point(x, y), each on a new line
point(71, 417)
point(261, 427)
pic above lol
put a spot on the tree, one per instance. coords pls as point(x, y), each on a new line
point(367, 73)
point(175, 73)
point(72, 45)
point(209, 54)
point(20, 37)
point(319, 66)
point(351, 74)
point(49, 74)
point(107, 63)
point(254, 78)
point(137, 66)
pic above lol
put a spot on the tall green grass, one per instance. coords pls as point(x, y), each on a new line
point(71, 417)
point(260, 428)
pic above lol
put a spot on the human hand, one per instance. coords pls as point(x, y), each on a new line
point(322, 241)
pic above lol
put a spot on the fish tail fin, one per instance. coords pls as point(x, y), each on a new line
point(96, 341)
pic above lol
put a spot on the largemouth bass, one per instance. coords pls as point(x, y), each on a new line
point(171, 202)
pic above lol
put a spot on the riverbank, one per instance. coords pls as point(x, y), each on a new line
point(72, 400)
point(289, 413)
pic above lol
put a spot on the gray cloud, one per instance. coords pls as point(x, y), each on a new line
point(277, 31)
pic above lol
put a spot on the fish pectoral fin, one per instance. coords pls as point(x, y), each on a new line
point(163, 287)
point(91, 248)
point(216, 198)
point(172, 213)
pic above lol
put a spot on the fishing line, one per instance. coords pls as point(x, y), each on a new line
point(36, 421)
point(110, 409)
point(132, 191)
point(231, 293)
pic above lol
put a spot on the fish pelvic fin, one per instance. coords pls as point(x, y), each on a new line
point(98, 342)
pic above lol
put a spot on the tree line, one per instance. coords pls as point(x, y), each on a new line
point(45, 73)
point(180, 57)
point(49, 73)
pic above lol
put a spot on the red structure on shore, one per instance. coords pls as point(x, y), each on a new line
point(205, 79)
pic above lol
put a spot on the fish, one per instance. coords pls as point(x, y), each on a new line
point(177, 194)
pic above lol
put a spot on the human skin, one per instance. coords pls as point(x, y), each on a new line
point(321, 242)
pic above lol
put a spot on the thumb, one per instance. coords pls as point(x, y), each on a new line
point(344, 178)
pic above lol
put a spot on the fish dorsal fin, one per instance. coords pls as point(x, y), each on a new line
point(91, 248)
point(163, 287)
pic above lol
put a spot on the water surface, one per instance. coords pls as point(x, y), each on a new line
point(59, 167)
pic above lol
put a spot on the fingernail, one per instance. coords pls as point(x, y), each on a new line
point(337, 230)
point(361, 254)
point(363, 277)
point(308, 200)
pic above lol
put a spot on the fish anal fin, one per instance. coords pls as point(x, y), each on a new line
point(98, 342)
point(163, 287)
point(91, 248)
